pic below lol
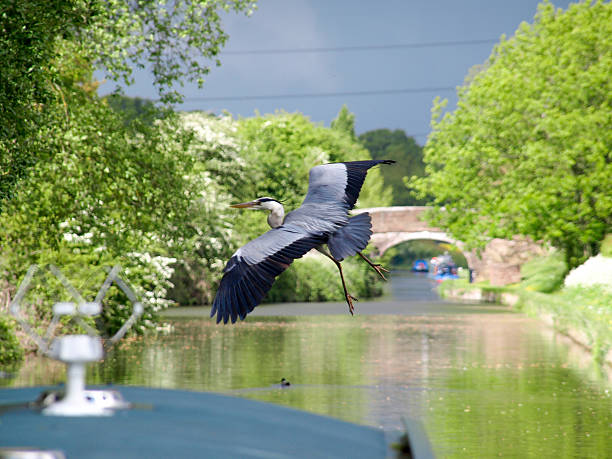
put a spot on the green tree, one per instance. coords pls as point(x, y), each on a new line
point(282, 149)
point(175, 42)
point(387, 144)
point(29, 31)
point(134, 108)
point(109, 194)
point(39, 39)
point(344, 122)
point(97, 187)
point(218, 172)
point(527, 151)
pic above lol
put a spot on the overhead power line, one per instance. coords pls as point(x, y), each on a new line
point(375, 92)
point(337, 49)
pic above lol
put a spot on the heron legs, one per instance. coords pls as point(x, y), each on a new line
point(349, 298)
point(377, 267)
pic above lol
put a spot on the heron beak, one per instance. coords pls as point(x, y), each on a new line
point(242, 205)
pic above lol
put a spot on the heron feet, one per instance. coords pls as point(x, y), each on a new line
point(349, 300)
point(376, 266)
point(379, 269)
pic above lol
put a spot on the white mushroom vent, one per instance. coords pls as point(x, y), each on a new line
point(77, 350)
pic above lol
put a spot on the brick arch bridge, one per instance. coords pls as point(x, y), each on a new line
point(499, 262)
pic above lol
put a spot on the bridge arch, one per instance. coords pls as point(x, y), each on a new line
point(501, 260)
point(393, 225)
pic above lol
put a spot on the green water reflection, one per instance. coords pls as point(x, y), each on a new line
point(483, 385)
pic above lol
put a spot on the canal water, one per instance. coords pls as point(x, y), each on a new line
point(483, 381)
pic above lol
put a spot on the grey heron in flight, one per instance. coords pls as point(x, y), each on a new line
point(322, 219)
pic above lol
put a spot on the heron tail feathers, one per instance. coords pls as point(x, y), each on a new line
point(352, 238)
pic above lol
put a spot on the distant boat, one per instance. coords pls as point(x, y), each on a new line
point(420, 266)
point(444, 272)
point(445, 276)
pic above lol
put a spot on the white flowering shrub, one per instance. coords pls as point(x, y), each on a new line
point(109, 194)
point(217, 172)
point(216, 147)
point(595, 271)
point(149, 276)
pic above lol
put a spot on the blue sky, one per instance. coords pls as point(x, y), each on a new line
point(293, 24)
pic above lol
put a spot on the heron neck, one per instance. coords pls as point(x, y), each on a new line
point(276, 215)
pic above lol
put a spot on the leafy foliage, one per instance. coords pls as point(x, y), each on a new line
point(606, 246)
point(345, 122)
point(527, 151)
point(217, 173)
point(109, 194)
point(29, 33)
point(99, 187)
point(315, 278)
point(134, 108)
point(42, 41)
point(175, 41)
point(10, 350)
point(544, 274)
point(396, 145)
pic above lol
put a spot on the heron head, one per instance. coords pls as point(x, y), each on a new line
point(264, 203)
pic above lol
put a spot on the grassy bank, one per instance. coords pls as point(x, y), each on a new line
point(582, 313)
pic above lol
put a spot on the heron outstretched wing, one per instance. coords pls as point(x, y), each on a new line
point(339, 182)
point(251, 271)
point(333, 190)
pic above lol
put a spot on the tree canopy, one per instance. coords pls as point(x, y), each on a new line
point(528, 149)
point(82, 186)
point(387, 144)
point(42, 41)
point(29, 31)
point(282, 148)
point(344, 122)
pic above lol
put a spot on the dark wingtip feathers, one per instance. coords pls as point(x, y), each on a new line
point(356, 173)
point(244, 285)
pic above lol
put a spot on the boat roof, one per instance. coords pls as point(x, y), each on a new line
point(174, 423)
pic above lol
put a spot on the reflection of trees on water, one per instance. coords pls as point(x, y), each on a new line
point(201, 355)
point(489, 383)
